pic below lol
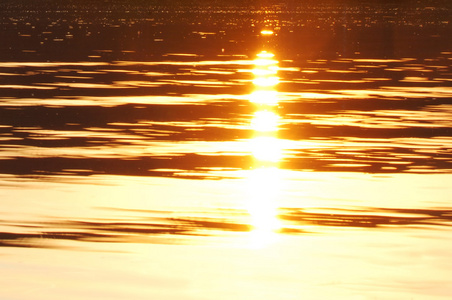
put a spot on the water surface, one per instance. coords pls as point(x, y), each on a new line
point(248, 152)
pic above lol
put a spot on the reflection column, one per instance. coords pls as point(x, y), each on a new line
point(264, 179)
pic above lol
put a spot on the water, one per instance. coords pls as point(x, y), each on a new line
point(232, 151)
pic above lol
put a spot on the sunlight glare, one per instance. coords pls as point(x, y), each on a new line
point(267, 149)
point(271, 70)
point(266, 81)
point(265, 121)
point(265, 60)
point(265, 54)
point(264, 97)
point(264, 187)
point(267, 32)
point(265, 70)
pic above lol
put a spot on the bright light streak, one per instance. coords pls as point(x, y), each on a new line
point(265, 61)
point(265, 71)
point(264, 187)
point(265, 54)
point(267, 32)
point(265, 121)
point(266, 81)
point(267, 149)
point(264, 97)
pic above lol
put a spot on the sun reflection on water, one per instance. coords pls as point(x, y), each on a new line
point(267, 32)
point(264, 179)
point(264, 187)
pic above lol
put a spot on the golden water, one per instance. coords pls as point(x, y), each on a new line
point(256, 174)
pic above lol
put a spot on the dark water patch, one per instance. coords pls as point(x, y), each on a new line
point(306, 131)
point(37, 92)
point(58, 118)
point(142, 230)
point(149, 29)
point(327, 106)
point(368, 218)
point(340, 159)
point(130, 166)
point(376, 159)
